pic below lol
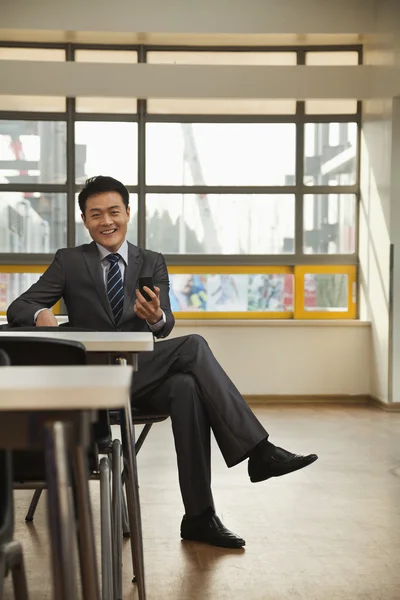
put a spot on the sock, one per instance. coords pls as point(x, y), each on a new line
point(262, 450)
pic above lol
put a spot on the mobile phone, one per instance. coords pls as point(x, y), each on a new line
point(148, 282)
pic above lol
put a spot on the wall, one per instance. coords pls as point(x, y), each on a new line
point(290, 358)
point(378, 225)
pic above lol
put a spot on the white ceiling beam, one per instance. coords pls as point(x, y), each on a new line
point(189, 16)
point(188, 81)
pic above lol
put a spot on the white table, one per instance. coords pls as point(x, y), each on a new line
point(113, 344)
point(60, 395)
point(94, 341)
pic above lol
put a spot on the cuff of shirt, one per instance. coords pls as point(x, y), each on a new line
point(35, 316)
point(159, 325)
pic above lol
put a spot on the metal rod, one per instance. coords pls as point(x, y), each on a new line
point(87, 547)
point(60, 512)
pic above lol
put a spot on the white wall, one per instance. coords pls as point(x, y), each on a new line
point(379, 224)
point(290, 358)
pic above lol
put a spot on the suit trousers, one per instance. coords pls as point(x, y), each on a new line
point(182, 378)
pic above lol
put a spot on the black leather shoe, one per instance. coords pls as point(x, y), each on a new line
point(279, 462)
point(209, 529)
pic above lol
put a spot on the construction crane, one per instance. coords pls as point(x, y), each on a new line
point(211, 244)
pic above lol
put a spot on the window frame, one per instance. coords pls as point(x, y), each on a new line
point(142, 117)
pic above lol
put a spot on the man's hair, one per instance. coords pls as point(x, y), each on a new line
point(99, 185)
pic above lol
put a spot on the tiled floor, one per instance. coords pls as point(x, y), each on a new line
point(329, 532)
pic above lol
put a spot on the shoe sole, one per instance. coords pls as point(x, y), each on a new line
point(279, 470)
point(219, 545)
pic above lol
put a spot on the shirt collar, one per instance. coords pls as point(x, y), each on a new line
point(123, 252)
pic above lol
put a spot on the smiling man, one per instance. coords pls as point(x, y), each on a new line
point(98, 282)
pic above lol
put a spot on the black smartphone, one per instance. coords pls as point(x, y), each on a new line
point(148, 282)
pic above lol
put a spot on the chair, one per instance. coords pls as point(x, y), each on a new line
point(29, 466)
point(11, 557)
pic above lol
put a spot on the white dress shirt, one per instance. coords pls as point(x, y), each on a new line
point(123, 261)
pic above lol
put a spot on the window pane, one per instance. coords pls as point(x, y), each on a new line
point(329, 223)
point(106, 149)
point(220, 106)
point(330, 154)
point(220, 154)
point(231, 292)
point(82, 235)
point(340, 59)
point(326, 292)
point(106, 56)
point(13, 285)
point(335, 107)
point(41, 54)
point(33, 103)
point(33, 151)
point(220, 224)
point(106, 105)
point(32, 222)
point(221, 58)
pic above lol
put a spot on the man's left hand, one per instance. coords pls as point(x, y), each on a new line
point(149, 311)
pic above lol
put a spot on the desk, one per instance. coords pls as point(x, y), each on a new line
point(58, 397)
point(110, 343)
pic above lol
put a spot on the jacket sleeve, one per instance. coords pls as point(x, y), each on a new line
point(42, 294)
point(161, 280)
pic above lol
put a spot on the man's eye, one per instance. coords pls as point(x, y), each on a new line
point(116, 212)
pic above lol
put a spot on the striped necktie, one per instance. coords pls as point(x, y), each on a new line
point(115, 286)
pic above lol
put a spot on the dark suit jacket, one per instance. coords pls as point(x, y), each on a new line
point(77, 276)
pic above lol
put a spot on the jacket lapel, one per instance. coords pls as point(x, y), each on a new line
point(132, 272)
point(92, 259)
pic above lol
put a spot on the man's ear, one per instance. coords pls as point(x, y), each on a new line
point(84, 220)
point(128, 212)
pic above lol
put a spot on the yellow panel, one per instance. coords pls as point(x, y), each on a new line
point(300, 271)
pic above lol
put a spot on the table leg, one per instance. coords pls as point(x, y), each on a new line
point(86, 544)
point(60, 511)
point(132, 493)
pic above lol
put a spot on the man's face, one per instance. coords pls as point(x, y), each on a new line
point(106, 219)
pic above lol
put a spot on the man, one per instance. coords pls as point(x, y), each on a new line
point(99, 282)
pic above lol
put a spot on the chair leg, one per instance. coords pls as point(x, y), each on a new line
point(33, 505)
point(3, 572)
point(117, 518)
point(17, 568)
point(126, 532)
point(106, 531)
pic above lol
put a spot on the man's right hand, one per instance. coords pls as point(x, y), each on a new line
point(46, 319)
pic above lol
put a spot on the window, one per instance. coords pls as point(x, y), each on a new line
point(220, 224)
point(234, 154)
point(253, 201)
point(173, 57)
point(220, 106)
point(32, 222)
point(329, 223)
point(33, 152)
point(106, 149)
point(330, 154)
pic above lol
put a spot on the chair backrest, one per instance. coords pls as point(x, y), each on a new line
point(6, 499)
point(30, 351)
point(4, 358)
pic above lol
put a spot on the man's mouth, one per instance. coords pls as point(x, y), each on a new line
point(108, 231)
